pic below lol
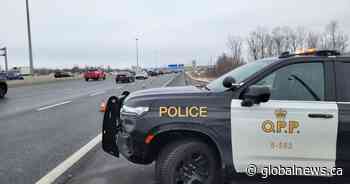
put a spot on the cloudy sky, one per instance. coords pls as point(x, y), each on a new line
point(91, 32)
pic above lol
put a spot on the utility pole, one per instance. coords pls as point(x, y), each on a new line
point(29, 40)
point(5, 55)
point(137, 53)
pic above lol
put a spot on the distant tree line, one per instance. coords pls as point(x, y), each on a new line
point(262, 43)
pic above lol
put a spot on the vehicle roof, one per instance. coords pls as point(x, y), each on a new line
point(326, 58)
point(123, 72)
point(313, 53)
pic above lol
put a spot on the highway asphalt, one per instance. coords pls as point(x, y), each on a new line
point(40, 126)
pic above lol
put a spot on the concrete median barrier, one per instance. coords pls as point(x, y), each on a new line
point(191, 80)
point(42, 79)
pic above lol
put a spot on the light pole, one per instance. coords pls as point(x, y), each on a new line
point(137, 53)
point(29, 40)
point(5, 55)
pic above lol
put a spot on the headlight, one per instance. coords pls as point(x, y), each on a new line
point(134, 110)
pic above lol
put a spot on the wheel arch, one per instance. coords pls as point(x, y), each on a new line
point(167, 134)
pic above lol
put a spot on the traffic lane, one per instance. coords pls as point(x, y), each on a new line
point(100, 167)
point(25, 98)
point(40, 140)
point(179, 80)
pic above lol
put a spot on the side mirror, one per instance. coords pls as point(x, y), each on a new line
point(228, 82)
point(255, 95)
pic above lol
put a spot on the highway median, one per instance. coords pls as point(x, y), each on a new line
point(42, 79)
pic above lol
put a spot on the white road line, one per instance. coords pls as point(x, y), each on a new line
point(69, 162)
point(97, 93)
point(54, 105)
point(170, 80)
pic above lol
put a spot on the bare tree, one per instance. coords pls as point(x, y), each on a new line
point(313, 40)
point(278, 37)
point(262, 43)
point(291, 39)
point(235, 44)
point(343, 41)
point(263, 40)
point(253, 45)
point(334, 38)
point(331, 33)
point(258, 43)
point(301, 37)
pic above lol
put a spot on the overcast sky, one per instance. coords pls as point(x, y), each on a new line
point(90, 32)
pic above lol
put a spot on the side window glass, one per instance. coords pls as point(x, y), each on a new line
point(343, 81)
point(304, 81)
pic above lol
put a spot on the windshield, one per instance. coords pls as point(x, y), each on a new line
point(240, 74)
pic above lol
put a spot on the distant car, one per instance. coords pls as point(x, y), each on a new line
point(62, 74)
point(141, 75)
point(3, 85)
point(152, 73)
point(14, 75)
point(124, 77)
point(94, 74)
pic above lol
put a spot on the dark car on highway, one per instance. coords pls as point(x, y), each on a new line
point(62, 74)
point(14, 75)
point(152, 73)
point(3, 85)
point(124, 76)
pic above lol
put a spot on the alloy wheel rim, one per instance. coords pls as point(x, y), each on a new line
point(193, 169)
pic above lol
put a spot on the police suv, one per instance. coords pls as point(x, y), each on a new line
point(290, 110)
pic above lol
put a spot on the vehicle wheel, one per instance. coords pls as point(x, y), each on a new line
point(86, 79)
point(104, 78)
point(2, 92)
point(188, 162)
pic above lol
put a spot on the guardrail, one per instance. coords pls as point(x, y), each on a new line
point(29, 80)
point(190, 80)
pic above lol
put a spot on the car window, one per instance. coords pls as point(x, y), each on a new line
point(343, 83)
point(240, 74)
point(304, 81)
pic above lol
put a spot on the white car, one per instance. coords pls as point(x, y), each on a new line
point(141, 75)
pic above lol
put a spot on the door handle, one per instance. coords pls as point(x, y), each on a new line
point(325, 116)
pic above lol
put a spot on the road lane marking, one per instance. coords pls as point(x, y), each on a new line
point(170, 80)
point(54, 105)
point(75, 157)
point(97, 93)
point(69, 162)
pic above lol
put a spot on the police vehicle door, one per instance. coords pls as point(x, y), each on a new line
point(296, 127)
point(342, 68)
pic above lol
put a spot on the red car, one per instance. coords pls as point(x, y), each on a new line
point(94, 74)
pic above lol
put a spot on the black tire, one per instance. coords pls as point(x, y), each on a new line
point(2, 91)
point(185, 158)
point(86, 79)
